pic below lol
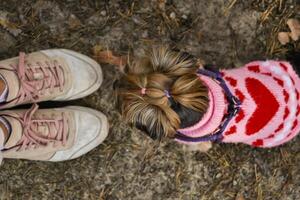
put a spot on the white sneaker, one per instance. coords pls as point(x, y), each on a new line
point(56, 74)
point(52, 134)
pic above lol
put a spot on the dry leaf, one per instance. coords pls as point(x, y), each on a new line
point(107, 56)
point(294, 26)
point(162, 4)
point(239, 197)
point(283, 38)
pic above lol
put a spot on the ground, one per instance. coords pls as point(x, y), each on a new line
point(128, 165)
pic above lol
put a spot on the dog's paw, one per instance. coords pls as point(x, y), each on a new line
point(202, 147)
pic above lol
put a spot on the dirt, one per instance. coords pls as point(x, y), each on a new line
point(128, 165)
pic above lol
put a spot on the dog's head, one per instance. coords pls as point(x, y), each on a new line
point(161, 93)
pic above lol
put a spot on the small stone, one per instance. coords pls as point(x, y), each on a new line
point(138, 20)
point(234, 183)
point(145, 34)
point(74, 22)
point(218, 175)
point(184, 17)
point(103, 13)
point(172, 15)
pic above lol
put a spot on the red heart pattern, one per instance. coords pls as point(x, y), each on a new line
point(266, 103)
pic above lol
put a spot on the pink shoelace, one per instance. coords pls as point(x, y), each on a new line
point(33, 82)
point(57, 129)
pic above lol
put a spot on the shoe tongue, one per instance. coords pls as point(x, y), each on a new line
point(5, 131)
point(3, 89)
point(16, 132)
point(42, 130)
point(12, 81)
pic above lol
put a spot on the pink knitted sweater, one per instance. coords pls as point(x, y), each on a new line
point(270, 109)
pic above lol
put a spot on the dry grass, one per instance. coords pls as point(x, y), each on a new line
point(274, 14)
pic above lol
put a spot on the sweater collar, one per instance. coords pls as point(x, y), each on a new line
point(213, 117)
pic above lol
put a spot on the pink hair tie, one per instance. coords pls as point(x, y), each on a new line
point(143, 91)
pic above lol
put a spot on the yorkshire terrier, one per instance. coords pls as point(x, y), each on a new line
point(173, 94)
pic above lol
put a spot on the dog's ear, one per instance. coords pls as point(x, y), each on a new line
point(188, 117)
point(153, 134)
